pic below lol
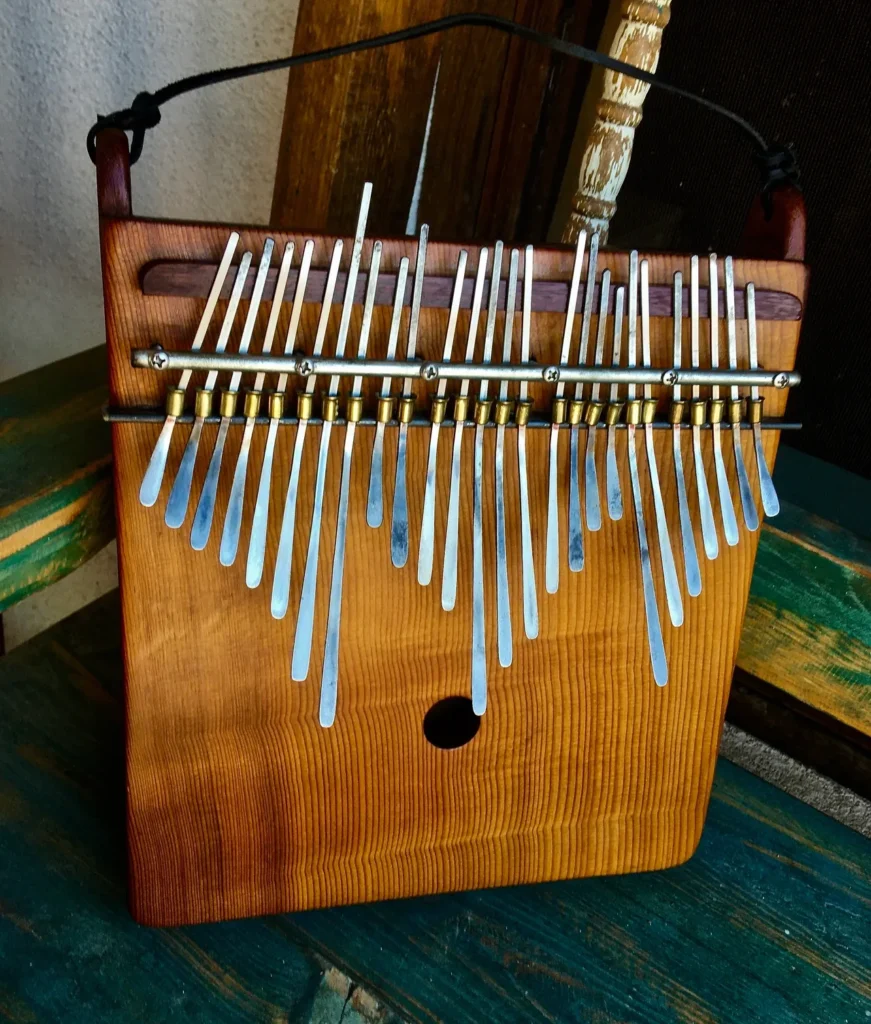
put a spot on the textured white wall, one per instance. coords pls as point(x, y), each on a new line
point(212, 157)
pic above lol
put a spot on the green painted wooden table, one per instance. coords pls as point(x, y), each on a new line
point(770, 921)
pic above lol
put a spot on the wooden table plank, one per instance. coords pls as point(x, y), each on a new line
point(56, 502)
point(767, 921)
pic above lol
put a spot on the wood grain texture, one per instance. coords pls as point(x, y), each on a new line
point(768, 920)
point(239, 803)
point(56, 501)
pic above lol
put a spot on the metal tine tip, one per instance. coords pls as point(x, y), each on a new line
point(399, 519)
point(284, 556)
point(666, 555)
point(257, 541)
point(330, 672)
point(551, 564)
point(770, 501)
point(612, 472)
point(375, 499)
point(479, 645)
point(179, 496)
point(591, 480)
point(427, 523)
point(302, 641)
point(233, 518)
point(201, 527)
point(153, 478)
point(452, 526)
point(690, 557)
point(748, 505)
point(530, 598)
point(706, 513)
point(575, 532)
point(727, 509)
point(655, 643)
point(504, 640)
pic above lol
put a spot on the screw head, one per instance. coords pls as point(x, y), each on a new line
point(669, 378)
point(304, 368)
point(781, 380)
point(550, 374)
point(158, 359)
point(429, 371)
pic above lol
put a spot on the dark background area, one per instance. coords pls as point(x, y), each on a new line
point(800, 73)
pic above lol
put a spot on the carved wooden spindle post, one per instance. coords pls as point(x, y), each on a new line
point(610, 114)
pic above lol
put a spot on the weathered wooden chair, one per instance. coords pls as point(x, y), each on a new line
point(769, 913)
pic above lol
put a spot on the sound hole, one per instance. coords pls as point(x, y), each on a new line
point(451, 723)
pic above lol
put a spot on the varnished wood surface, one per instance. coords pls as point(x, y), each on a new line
point(766, 922)
point(56, 501)
point(239, 803)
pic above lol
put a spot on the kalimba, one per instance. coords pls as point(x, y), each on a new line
point(433, 558)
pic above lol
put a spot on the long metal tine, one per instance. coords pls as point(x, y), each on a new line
point(330, 673)
point(257, 541)
point(612, 473)
point(591, 479)
point(479, 647)
point(302, 641)
point(427, 524)
point(551, 563)
point(503, 597)
point(669, 572)
point(748, 506)
point(452, 527)
point(706, 513)
point(399, 520)
point(153, 478)
point(690, 558)
point(770, 501)
point(576, 536)
point(375, 499)
point(233, 518)
point(202, 524)
point(284, 557)
point(530, 599)
point(727, 509)
point(651, 612)
point(179, 496)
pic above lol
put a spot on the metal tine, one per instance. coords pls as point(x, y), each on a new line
point(375, 500)
point(706, 513)
point(727, 509)
point(666, 555)
point(551, 563)
point(153, 478)
point(651, 612)
point(612, 473)
point(591, 480)
point(202, 524)
point(452, 527)
point(399, 519)
point(770, 501)
point(748, 505)
point(530, 599)
point(233, 518)
point(576, 537)
point(479, 648)
point(503, 598)
point(257, 541)
point(427, 524)
point(284, 557)
point(179, 496)
point(330, 672)
point(302, 641)
point(690, 558)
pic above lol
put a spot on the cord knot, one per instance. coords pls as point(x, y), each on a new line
point(142, 114)
point(778, 166)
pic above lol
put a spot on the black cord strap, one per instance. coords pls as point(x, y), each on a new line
point(777, 163)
